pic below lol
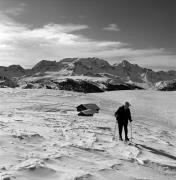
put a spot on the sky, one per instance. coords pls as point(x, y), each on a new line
point(141, 31)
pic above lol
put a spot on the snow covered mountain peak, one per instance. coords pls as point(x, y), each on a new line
point(125, 63)
point(91, 67)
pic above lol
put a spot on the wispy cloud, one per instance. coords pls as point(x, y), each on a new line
point(21, 44)
point(157, 62)
point(15, 11)
point(112, 27)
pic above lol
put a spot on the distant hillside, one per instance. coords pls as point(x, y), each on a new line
point(12, 71)
point(99, 68)
point(116, 74)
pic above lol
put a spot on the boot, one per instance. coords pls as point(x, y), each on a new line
point(126, 139)
point(120, 139)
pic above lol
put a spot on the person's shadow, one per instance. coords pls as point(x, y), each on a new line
point(156, 151)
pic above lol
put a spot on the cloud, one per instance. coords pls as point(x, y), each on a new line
point(112, 27)
point(21, 44)
point(15, 11)
point(157, 62)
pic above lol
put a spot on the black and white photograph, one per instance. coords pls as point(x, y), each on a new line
point(87, 90)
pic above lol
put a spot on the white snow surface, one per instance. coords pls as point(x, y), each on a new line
point(43, 138)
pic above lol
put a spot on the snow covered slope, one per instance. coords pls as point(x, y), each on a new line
point(42, 137)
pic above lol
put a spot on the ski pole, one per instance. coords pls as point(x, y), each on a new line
point(115, 131)
point(131, 132)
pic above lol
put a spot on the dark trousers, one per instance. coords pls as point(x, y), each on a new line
point(122, 125)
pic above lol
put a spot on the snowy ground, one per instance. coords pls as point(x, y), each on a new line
point(41, 136)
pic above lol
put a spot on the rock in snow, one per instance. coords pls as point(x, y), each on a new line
point(7, 82)
point(166, 85)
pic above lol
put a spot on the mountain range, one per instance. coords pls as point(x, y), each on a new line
point(80, 72)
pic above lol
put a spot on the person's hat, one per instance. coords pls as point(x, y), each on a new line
point(127, 103)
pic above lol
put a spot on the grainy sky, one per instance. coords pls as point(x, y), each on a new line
point(141, 31)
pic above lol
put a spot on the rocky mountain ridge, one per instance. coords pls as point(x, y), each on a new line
point(116, 74)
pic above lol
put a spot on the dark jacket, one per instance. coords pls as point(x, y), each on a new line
point(123, 115)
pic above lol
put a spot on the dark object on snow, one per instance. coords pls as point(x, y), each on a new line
point(87, 109)
point(83, 107)
point(88, 112)
point(122, 86)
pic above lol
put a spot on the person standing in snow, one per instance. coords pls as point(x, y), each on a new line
point(123, 115)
